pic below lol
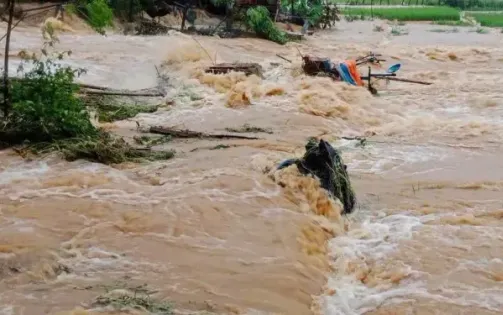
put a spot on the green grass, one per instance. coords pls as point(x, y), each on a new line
point(482, 5)
point(488, 20)
point(408, 14)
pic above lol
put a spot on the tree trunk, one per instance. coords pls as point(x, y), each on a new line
point(278, 6)
point(6, 92)
point(229, 18)
point(184, 17)
point(130, 13)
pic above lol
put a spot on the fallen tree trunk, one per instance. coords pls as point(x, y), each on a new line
point(123, 93)
point(180, 133)
point(92, 89)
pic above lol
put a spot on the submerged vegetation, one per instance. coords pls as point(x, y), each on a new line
point(137, 298)
point(109, 110)
point(439, 13)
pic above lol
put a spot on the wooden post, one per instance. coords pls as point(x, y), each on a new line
point(130, 13)
point(6, 89)
point(184, 17)
point(278, 5)
point(229, 15)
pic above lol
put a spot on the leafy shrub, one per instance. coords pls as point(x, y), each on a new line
point(258, 19)
point(100, 14)
point(44, 104)
point(96, 13)
point(47, 113)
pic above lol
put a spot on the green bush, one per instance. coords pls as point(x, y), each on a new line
point(100, 14)
point(259, 21)
point(47, 113)
point(44, 104)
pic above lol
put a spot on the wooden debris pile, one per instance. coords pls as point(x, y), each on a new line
point(247, 68)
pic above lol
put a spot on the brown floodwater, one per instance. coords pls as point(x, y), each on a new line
point(212, 230)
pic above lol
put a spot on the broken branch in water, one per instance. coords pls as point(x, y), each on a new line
point(180, 133)
point(102, 90)
point(122, 93)
point(278, 55)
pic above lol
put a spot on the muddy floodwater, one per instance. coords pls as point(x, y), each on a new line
point(212, 230)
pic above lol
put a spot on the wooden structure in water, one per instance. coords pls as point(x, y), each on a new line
point(247, 68)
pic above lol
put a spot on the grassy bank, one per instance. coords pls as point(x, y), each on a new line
point(489, 19)
point(407, 14)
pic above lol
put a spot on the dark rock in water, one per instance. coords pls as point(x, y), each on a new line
point(324, 162)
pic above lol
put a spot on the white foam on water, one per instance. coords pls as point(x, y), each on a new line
point(95, 260)
point(23, 170)
point(375, 238)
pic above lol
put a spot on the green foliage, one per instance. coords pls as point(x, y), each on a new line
point(482, 5)
point(309, 10)
point(100, 14)
point(222, 2)
point(258, 19)
point(113, 113)
point(48, 115)
point(101, 148)
point(489, 20)
point(44, 105)
point(408, 14)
